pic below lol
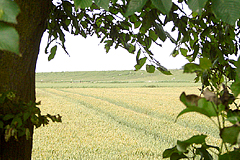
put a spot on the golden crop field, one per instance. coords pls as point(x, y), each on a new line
point(115, 123)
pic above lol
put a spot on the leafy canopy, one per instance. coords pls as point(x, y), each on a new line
point(9, 37)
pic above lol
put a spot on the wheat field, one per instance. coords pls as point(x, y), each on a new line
point(115, 123)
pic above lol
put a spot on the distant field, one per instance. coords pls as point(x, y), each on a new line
point(128, 121)
point(102, 76)
point(113, 79)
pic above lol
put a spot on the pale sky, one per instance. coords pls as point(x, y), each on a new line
point(88, 55)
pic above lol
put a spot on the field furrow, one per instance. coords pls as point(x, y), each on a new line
point(159, 103)
point(114, 123)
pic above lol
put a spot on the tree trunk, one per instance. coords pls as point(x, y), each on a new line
point(18, 73)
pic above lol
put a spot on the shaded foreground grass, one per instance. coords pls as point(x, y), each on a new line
point(115, 123)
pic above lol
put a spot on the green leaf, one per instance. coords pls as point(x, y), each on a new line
point(53, 53)
point(143, 30)
point(205, 33)
point(230, 155)
point(160, 32)
point(134, 6)
point(138, 55)
point(189, 100)
point(181, 146)
point(205, 63)
point(1, 13)
point(26, 115)
point(235, 87)
point(9, 39)
point(137, 67)
point(197, 104)
point(108, 45)
point(187, 110)
point(82, 4)
point(164, 70)
point(233, 119)
point(148, 43)
point(197, 5)
point(205, 77)
point(227, 10)
point(130, 47)
point(176, 156)
point(133, 18)
point(9, 11)
point(175, 53)
point(170, 37)
point(173, 153)
point(204, 153)
point(140, 63)
point(17, 121)
point(102, 3)
point(114, 1)
point(35, 120)
point(197, 139)
point(8, 116)
point(168, 152)
point(150, 68)
point(230, 134)
point(191, 68)
point(137, 24)
point(153, 35)
point(209, 108)
point(67, 7)
point(163, 5)
point(184, 51)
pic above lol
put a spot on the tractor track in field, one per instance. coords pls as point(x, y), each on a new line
point(165, 121)
point(123, 104)
point(162, 137)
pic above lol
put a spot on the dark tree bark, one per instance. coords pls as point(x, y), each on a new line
point(18, 73)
